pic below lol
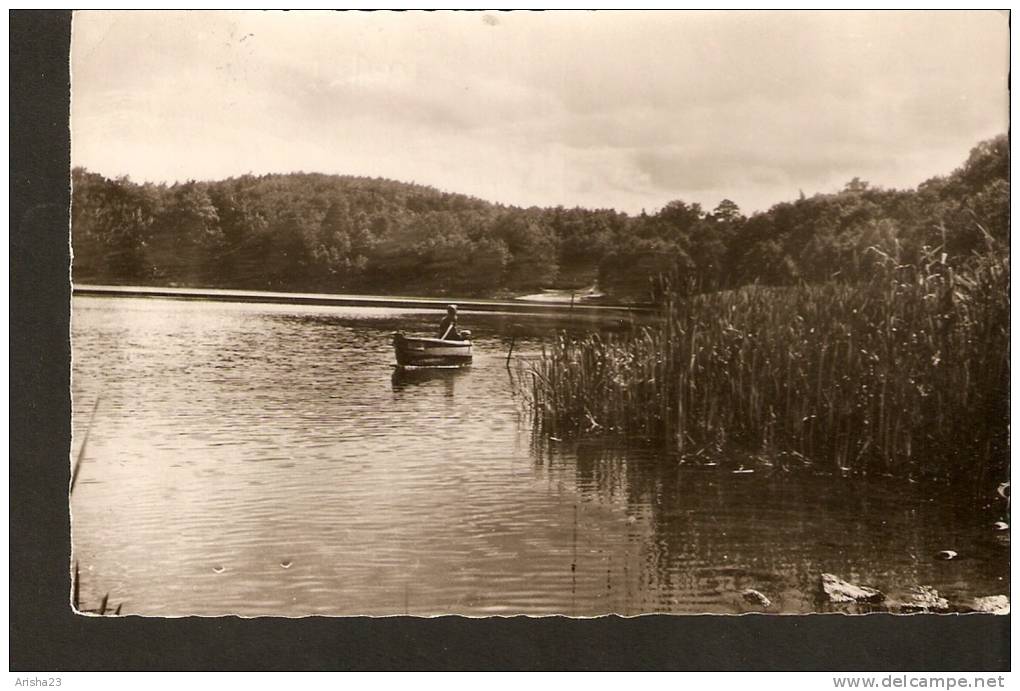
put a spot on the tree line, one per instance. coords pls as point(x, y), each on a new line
point(331, 233)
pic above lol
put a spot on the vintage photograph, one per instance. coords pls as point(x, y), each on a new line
point(494, 313)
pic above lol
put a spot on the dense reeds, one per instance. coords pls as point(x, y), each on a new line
point(906, 374)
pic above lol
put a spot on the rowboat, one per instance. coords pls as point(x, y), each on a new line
point(431, 352)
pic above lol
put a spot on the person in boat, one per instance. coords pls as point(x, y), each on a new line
point(448, 327)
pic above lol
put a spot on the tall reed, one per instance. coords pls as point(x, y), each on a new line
point(906, 374)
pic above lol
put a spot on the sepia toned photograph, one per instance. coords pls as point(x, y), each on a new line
point(496, 313)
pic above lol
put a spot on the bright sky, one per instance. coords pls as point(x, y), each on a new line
point(627, 110)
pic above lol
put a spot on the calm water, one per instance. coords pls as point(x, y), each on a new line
point(266, 460)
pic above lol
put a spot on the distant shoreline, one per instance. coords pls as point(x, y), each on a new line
point(405, 302)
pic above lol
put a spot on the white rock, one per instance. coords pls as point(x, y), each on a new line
point(993, 604)
point(755, 598)
point(924, 598)
point(840, 591)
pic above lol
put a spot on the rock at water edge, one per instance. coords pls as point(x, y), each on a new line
point(993, 604)
point(924, 598)
point(755, 598)
point(840, 591)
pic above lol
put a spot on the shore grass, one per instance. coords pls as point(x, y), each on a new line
point(907, 374)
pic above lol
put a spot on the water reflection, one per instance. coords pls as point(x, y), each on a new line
point(408, 379)
point(713, 532)
point(266, 459)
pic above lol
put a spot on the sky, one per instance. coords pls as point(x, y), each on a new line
point(624, 110)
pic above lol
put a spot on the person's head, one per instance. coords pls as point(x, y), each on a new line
point(451, 311)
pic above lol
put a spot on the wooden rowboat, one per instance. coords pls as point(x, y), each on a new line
point(430, 352)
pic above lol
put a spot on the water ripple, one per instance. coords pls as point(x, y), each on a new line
point(265, 459)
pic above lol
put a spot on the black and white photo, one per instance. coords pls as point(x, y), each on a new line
point(507, 313)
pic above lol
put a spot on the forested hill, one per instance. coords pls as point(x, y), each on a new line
point(328, 233)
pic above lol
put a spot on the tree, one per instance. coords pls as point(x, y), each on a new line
point(532, 249)
point(635, 269)
point(856, 186)
point(727, 211)
point(185, 235)
point(110, 222)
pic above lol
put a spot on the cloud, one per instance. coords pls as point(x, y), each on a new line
point(625, 110)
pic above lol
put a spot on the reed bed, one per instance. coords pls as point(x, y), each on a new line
point(907, 374)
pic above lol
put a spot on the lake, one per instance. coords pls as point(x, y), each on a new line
point(268, 460)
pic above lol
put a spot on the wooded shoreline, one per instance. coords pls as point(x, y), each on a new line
point(332, 234)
